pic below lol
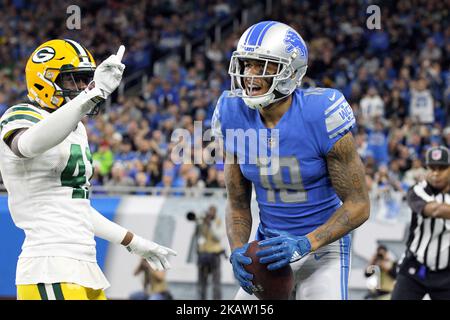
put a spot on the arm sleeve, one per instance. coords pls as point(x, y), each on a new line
point(106, 229)
point(53, 129)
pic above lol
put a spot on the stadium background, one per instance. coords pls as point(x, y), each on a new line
point(396, 79)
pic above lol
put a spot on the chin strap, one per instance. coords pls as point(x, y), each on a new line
point(258, 103)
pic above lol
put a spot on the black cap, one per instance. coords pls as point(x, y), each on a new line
point(438, 156)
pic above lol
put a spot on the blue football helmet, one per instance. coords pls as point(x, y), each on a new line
point(269, 41)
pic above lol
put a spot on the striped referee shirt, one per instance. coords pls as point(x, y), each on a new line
point(429, 238)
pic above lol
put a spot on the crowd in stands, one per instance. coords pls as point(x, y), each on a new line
point(396, 79)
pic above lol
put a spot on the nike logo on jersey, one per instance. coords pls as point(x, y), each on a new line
point(318, 256)
point(332, 97)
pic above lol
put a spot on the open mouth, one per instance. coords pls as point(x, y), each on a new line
point(254, 90)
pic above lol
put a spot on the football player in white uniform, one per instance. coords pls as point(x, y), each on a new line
point(46, 165)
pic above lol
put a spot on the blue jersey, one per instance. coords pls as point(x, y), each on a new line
point(298, 197)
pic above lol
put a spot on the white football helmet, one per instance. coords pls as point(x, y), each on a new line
point(269, 41)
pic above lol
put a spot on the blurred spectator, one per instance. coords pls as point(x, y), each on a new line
point(387, 192)
point(153, 282)
point(422, 104)
point(381, 273)
point(415, 174)
point(3, 105)
point(430, 51)
point(118, 179)
point(154, 170)
point(378, 144)
point(103, 159)
point(141, 181)
point(372, 106)
point(209, 233)
point(396, 106)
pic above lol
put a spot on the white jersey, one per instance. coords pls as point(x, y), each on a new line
point(421, 106)
point(48, 195)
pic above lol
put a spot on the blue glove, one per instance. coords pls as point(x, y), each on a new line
point(237, 260)
point(284, 248)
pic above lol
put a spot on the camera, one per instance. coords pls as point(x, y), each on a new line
point(206, 217)
point(191, 216)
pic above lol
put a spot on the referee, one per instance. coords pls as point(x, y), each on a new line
point(425, 265)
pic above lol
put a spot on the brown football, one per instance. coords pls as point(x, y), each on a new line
point(271, 285)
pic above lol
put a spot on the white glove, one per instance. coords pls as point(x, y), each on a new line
point(108, 74)
point(155, 254)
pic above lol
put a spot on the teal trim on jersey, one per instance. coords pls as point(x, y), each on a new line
point(22, 108)
point(42, 291)
point(58, 291)
point(18, 117)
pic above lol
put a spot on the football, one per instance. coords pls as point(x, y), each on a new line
point(271, 285)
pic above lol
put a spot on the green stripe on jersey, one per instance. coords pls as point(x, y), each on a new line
point(22, 107)
point(58, 291)
point(18, 117)
point(42, 292)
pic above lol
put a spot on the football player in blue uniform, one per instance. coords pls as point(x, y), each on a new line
point(308, 178)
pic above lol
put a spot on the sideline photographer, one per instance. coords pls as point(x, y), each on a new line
point(383, 267)
point(209, 249)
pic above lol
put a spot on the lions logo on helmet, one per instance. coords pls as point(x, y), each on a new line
point(52, 66)
point(294, 41)
point(269, 42)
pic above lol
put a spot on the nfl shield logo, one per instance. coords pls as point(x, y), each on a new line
point(436, 154)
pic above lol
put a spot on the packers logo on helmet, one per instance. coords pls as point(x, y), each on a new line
point(43, 55)
point(57, 71)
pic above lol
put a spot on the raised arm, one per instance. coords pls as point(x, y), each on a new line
point(347, 177)
point(53, 129)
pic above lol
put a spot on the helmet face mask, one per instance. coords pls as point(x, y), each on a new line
point(268, 42)
point(240, 77)
point(70, 83)
point(57, 71)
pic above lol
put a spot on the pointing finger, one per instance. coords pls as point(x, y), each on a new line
point(120, 52)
